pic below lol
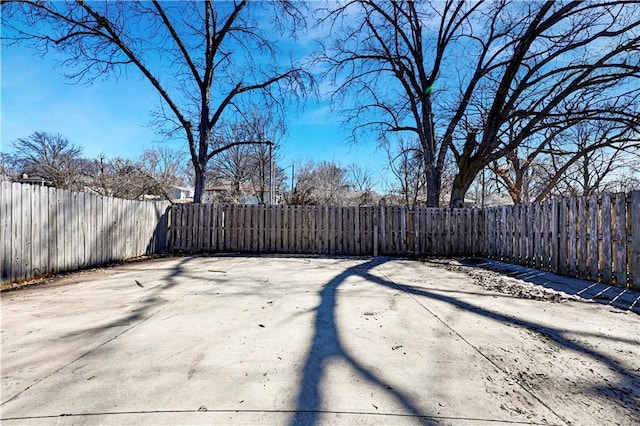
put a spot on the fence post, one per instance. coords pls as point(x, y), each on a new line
point(634, 216)
point(606, 239)
point(554, 236)
point(620, 251)
point(375, 232)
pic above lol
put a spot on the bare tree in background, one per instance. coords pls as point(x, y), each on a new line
point(121, 178)
point(323, 183)
point(153, 175)
point(362, 183)
point(596, 163)
point(407, 166)
point(230, 170)
point(167, 168)
point(247, 168)
point(51, 157)
point(628, 174)
point(216, 59)
point(360, 178)
point(530, 171)
point(480, 79)
point(8, 168)
point(264, 161)
point(522, 179)
point(594, 173)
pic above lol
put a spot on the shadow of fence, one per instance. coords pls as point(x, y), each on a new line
point(622, 298)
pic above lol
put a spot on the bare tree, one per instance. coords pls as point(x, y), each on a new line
point(122, 178)
point(360, 178)
point(51, 157)
point(479, 79)
point(378, 58)
point(585, 153)
point(407, 166)
point(592, 166)
point(166, 168)
point(8, 169)
point(151, 176)
point(362, 183)
point(522, 179)
point(250, 167)
point(628, 174)
point(266, 175)
point(323, 183)
point(220, 57)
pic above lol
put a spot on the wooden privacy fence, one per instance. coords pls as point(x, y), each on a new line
point(325, 230)
point(46, 230)
point(594, 238)
point(590, 238)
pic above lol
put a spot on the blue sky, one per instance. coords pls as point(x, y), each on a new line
point(112, 117)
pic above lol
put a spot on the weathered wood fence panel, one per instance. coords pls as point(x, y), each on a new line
point(46, 230)
point(585, 237)
point(590, 238)
point(326, 230)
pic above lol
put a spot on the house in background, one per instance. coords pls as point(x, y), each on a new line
point(181, 194)
point(34, 180)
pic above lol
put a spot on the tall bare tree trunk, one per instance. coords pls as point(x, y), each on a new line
point(200, 172)
point(434, 186)
point(461, 184)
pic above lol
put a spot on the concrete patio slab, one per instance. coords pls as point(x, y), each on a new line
point(308, 340)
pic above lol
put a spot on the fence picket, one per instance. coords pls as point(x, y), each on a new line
point(620, 226)
point(563, 237)
point(634, 215)
point(593, 239)
point(572, 237)
point(605, 223)
point(518, 225)
point(544, 236)
point(55, 241)
point(582, 224)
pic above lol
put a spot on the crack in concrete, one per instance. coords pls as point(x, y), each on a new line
point(248, 411)
point(476, 349)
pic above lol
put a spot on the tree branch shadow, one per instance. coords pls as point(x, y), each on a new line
point(627, 380)
point(146, 306)
point(326, 346)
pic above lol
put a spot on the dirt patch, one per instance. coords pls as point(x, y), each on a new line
point(571, 358)
point(499, 283)
point(49, 280)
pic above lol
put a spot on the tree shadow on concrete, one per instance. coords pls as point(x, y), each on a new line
point(149, 305)
point(628, 386)
point(326, 346)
